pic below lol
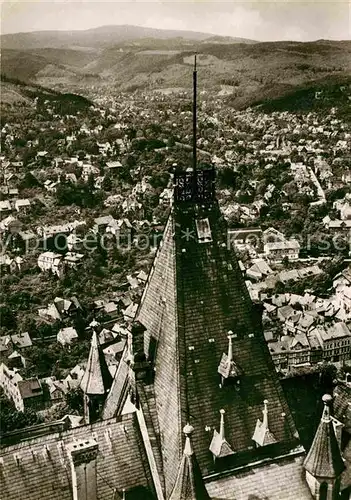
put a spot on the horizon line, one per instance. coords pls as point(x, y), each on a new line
point(172, 29)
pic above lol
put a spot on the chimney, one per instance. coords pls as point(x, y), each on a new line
point(82, 455)
point(141, 366)
point(138, 341)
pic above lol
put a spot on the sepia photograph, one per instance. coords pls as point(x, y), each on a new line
point(175, 250)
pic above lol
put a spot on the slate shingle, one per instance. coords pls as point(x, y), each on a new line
point(30, 472)
point(194, 295)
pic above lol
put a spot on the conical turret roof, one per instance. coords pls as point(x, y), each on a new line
point(324, 458)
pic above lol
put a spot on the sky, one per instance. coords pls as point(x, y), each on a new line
point(261, 20)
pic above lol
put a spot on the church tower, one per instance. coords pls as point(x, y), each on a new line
point(96, 382)
point(324, 464)
point(204, 345)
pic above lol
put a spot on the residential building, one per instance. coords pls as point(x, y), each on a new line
point(66, 336)
point(5, 206)
point(112, 167)
point(335, 340)
point(276, 247)
point(22, 205)
point(61, 308)
point(51, 261)
point(121, 228)
point(5, 345)
point(73, 259)
point(101, 223)
point(290, 351)
point(21, 340)
point(24, 393)
point(8, 264)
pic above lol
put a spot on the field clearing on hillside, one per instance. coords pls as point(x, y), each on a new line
point(158, 52)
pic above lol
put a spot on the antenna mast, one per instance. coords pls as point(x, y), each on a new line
point(194, 116)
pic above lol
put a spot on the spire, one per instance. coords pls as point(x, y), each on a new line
point(324, 458)
point(262, 435)
point(219, 445)
point(227, 366)
point(265, 414)
point(189, 484)
point(97, 379)
point(194, 116)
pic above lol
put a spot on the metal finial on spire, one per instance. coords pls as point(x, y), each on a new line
point(230, 346)
point(188, 448)
point(221, 427)
point(324, 458)
point(327, 400)
point(189, 478)
point(265, 414)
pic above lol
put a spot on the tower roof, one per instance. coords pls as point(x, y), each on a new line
point(97, 379)
point(324, 458)
point(194, 296)
point(189, 484)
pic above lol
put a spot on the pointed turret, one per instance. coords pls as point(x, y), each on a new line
point(189, 484)
point(219, 446)
point(262, 435)
point(96, 381)
point(324, 463)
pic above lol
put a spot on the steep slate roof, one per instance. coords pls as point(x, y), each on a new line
point(195, 294)
point(118, 393)
point(324, 458)
point(97, 378)
point(40, 468)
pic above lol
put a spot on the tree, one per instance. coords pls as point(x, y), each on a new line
point(107, 183)
point(227, 177)
point(7, 318)
point(12, 419)
point(75, 401)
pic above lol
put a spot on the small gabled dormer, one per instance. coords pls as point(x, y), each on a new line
point(228, 368)
point(219, 446)
point(262, 435)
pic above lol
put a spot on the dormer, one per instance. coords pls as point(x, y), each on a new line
point(262, 435)
point(219, 446)
point(228, 368)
